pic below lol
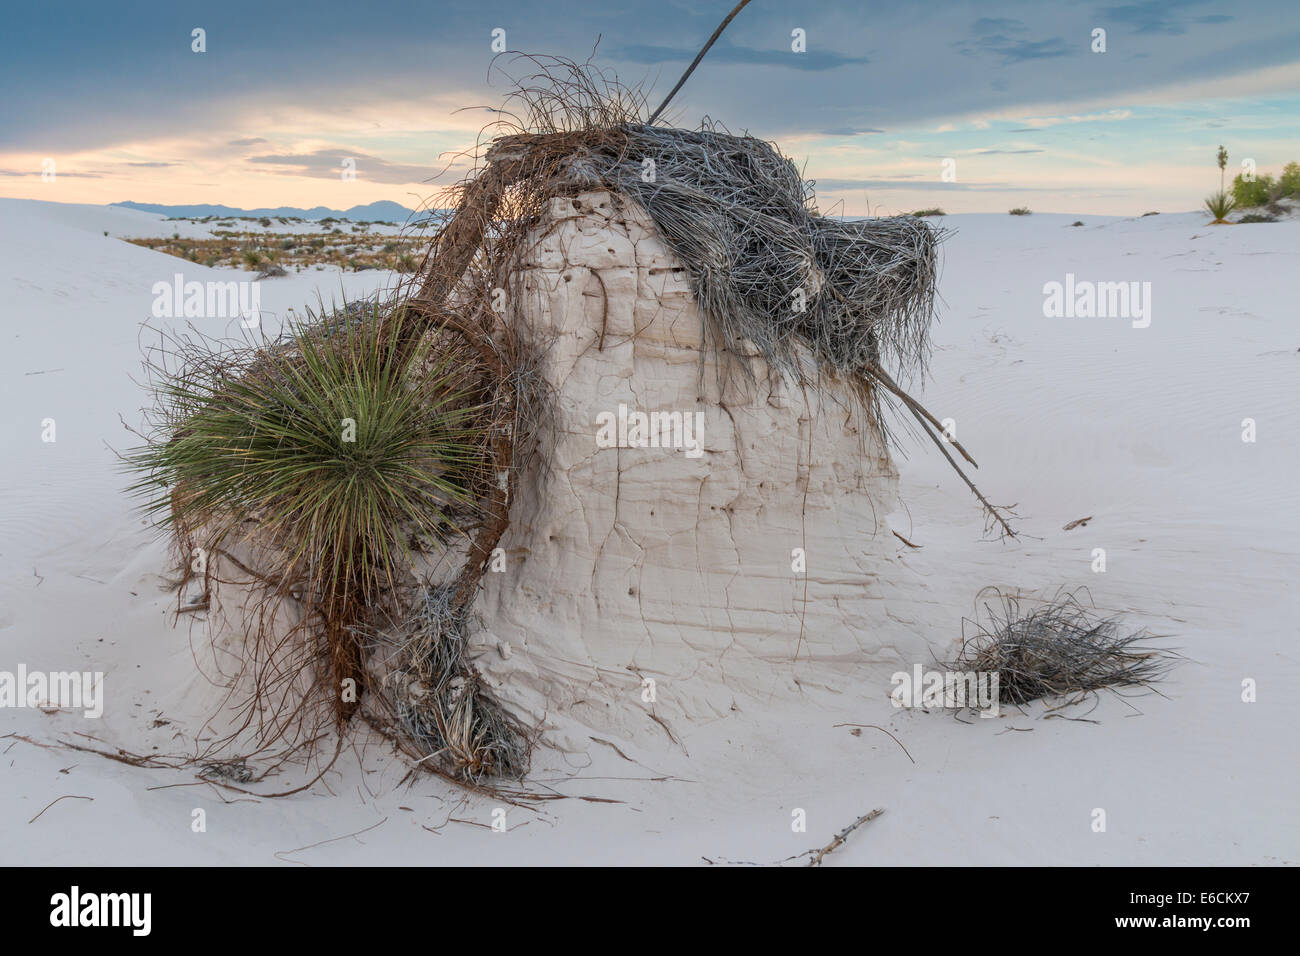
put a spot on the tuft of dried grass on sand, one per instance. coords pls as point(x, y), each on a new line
point(440, 700)
point(1062, 650)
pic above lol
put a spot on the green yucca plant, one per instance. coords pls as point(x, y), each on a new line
point(340, 443)
point(1220, 204)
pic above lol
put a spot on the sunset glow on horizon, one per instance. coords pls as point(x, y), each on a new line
point(1120, 132)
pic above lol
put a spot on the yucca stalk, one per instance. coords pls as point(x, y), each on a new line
point(340, 444)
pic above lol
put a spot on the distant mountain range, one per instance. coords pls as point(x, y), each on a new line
point(382, 211)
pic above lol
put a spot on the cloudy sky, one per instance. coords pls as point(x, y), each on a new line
point(1008, 96)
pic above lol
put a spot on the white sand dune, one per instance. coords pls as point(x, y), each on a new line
point(1069, 417)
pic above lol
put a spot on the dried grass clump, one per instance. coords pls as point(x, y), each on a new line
point(767, 269)
point(440, 700)
point(1063, 649)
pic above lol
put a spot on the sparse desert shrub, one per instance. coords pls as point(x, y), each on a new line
point(1077, 222)
point(1289, 184)
point(1255, 217)
point(1145, 214)
point(1255, 193)
point(1021, 211)
point(251, 257)
point(407, 262)
point(1220, 204)
point(922, 213)
point(264, 223)
point(346, 445)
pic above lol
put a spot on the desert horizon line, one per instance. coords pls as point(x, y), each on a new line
point(271, 210)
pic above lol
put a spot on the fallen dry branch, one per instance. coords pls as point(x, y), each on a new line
point(992, 511)
point(883, 731)
point(843, 835)
point(905, 541)
point(66, 796)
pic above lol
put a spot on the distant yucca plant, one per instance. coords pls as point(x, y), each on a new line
point(340, 443)
point(1220, 204)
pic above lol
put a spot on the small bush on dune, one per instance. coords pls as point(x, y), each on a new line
point(1265, 189)
point(922, 213)
point(1220, 204)
point(343, 444)
point(1252, 193)
point(1289, 184)
point(1021, 211)
point(1254, 217)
